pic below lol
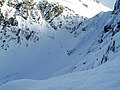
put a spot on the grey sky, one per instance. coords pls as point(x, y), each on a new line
point(109, 3)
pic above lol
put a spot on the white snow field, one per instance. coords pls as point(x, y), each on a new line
point(105, 77)
point(59, 46)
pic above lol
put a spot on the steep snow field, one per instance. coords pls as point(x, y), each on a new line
point(105, 77)
point(48, 57)
point(44, 43)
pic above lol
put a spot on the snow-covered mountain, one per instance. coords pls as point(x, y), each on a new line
point(22, 18)
point(44, 39)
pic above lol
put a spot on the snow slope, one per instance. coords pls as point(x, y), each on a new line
point(35, 49)
point(31, 41)
point(105, 77)
point(102, 41)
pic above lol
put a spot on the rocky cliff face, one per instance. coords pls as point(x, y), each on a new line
point(117, 6)
point(17, 18)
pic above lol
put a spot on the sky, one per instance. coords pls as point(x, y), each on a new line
point(109, 3)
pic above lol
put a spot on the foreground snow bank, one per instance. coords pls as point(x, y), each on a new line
point(105, 77)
